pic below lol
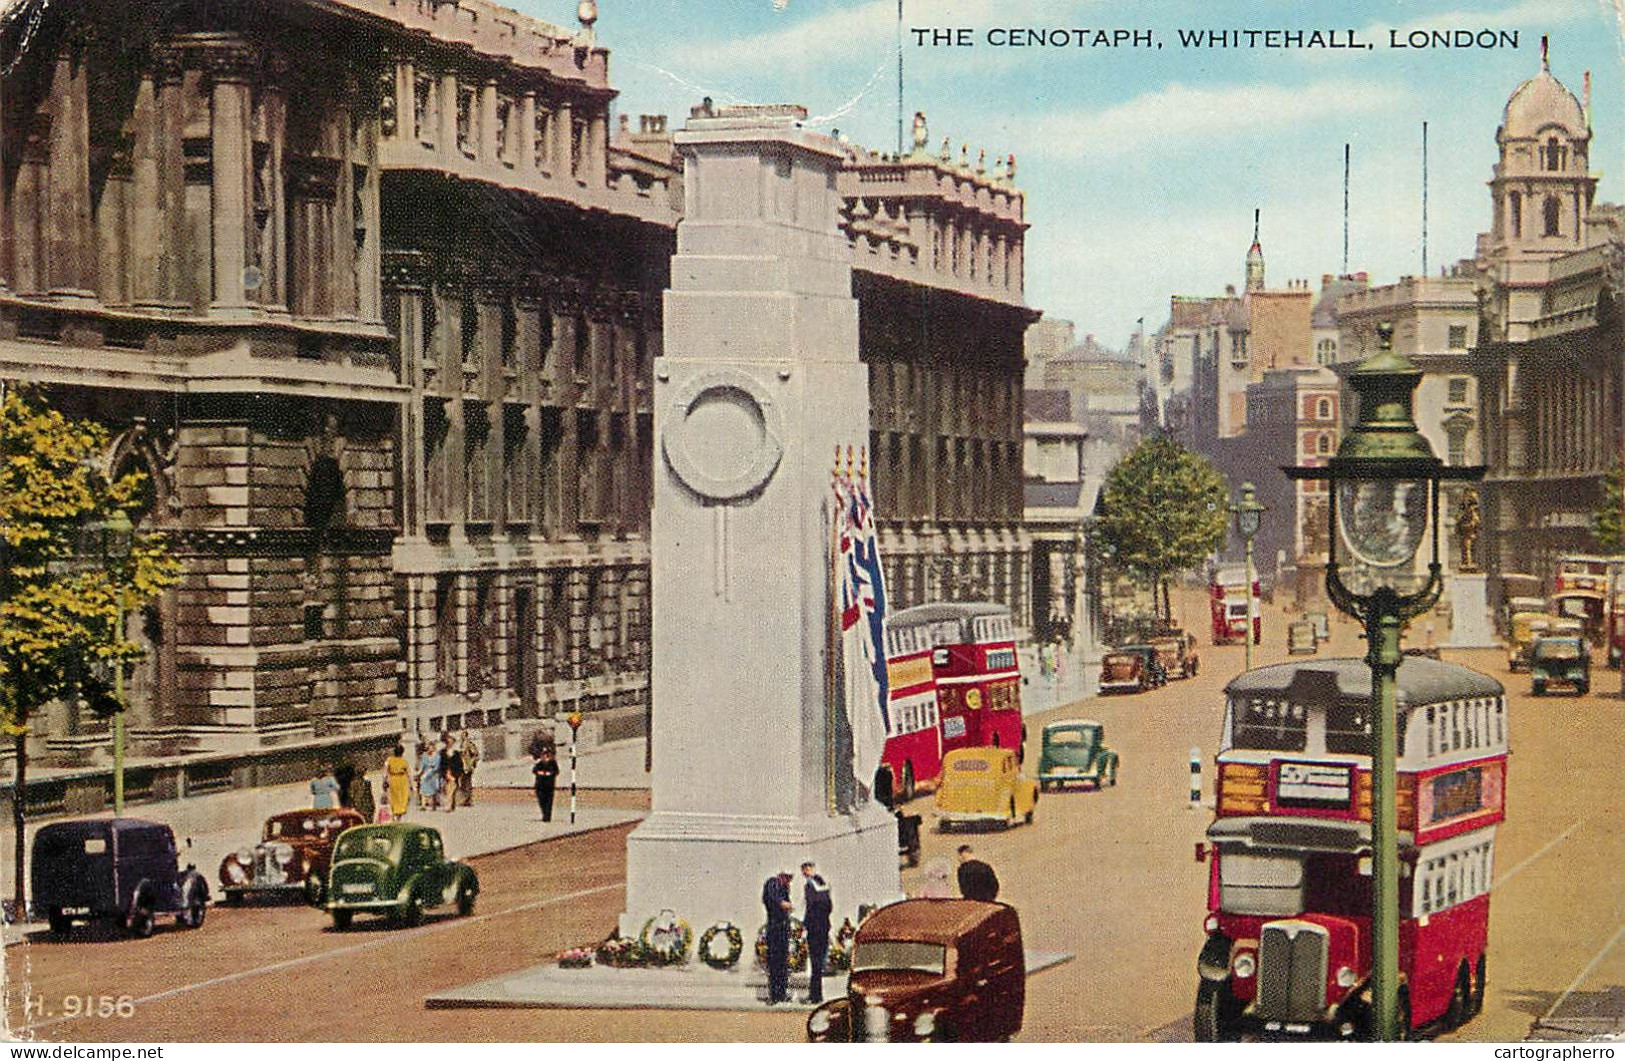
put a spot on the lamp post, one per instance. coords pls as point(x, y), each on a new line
point(1249, 518)
point(1384, 499)
point(113, 540)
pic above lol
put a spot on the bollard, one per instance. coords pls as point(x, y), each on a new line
point(875, 1021)
point(1196, 777)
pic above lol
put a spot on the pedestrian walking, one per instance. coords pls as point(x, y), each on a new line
point(359, 795)
point(936, 884)
point(324, 790)
point(776, 901)
point(546, 772)
point(471, 759)
point(815, 910)
point(430, 777)
point(451, 770)
point(976, 878)
point(398, 783)
point(344, 774)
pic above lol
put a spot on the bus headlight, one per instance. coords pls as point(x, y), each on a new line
point(925, 1024)
point(1345, 977)
point(1244, 965)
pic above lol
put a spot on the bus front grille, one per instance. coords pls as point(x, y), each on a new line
point(1291, 971)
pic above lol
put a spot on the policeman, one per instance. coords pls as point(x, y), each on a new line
point(816, 910)
point(776, 901)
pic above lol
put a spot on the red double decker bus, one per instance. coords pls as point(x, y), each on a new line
point(913, 750)
point(1227, 601)
point(977, 680)
point(1290, 890)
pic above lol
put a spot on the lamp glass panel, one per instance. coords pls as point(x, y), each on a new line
point(1248, 520)
point(1382, 520)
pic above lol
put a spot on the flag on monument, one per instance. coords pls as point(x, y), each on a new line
point(863, 603)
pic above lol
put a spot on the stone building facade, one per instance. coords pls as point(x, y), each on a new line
point(937, 272)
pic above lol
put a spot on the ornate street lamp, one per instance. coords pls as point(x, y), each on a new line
point(112, 540)
point(1384, 501)
point(1249, 518)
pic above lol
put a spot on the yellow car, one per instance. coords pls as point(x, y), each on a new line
point(984, 785)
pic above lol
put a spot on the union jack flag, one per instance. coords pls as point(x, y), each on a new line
point(863, 622)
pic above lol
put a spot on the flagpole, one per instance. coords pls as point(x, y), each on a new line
point(832, 624)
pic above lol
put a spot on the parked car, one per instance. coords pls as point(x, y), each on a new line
point(984, 785)
point(1560, 661)
point(930, 970)
point(1176, 654)
point(1526, 628)
point(1131, 669)
point(397, 870)
point(120, 870)
point(1301, 639)
point(291, 857)
point(1075, 751)
point(1323, 625)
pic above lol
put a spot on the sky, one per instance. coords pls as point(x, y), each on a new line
point(1142, 165)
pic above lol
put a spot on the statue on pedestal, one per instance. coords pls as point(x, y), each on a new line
point(1467, 532)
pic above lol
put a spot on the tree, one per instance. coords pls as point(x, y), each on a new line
point(1607, 518)
point(1163, 510)
point(61, 612)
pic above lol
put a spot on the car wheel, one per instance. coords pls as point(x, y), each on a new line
point(412, 914)
point(315, 890)
point(1582, 687)
point(1013, 815)
point(195, 911)
point(1028, 817)
point(465, 899)
point(1539, 689)
point(341, 919)
point(141, 921)
point(1214, 1020)
point(1476, 1006)
point(908, 782)
point(1111, 775)
point(60, 923)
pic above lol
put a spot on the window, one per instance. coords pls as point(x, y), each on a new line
point(1456, 444)
point(1271, 725)
point(583, 346)
point(510, 334)
point(423, 112)
point(1323, 409)
point(324, 495)
point(1515, 222)
point(1323, 445)
point(1554, 155)
point(1550, 210)
point(1458, 390)
point(476, 439)
point(471, 331)
point(445, 623)
point(543, 130)
point(1458, 337)
point(504, 128)
point(1326, 351)
point(515, 470)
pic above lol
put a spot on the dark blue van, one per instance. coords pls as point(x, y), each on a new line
point(122, 870)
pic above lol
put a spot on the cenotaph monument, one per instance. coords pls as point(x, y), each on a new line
point(758, 386)
point(1470, 625)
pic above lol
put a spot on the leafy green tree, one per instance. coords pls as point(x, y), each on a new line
point(1163, 510)
point(61, 611)
point(1607, 519)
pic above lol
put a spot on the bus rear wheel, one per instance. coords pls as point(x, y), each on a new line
point(1461, 999)
point(1477, 1005)
point(908, 782)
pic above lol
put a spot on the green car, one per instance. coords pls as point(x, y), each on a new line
point(1074, 750)
point(397, 870)
point(1560, 661)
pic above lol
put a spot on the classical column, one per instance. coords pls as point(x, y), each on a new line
point(489, 151)
point(342, 275)
point(448, 148)
point(229, 63)
point(69, 243)
point(595, 169)
point(562, 123)
point(273, 242)
point(146, 217)
point(525, 155)
point(113, 228)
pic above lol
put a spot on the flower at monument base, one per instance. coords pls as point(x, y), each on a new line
point(727, 956)
point(575, 958)
point(620, 952)
point(665, 939)
point(798, 945)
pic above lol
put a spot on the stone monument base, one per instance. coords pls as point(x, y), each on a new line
point(1470, 625)
point(707, 868)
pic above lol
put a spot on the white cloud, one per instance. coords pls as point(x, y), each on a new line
point(1180, 113)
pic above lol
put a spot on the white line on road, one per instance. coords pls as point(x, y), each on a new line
point(388, 938)
point(1585, 974)
point(1515, 870)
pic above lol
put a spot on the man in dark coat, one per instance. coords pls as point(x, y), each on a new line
point(546, 771)
point(976, 878)
point(776, 901)
point(816, 909)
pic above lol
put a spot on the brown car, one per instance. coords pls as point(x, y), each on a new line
point(1177, 654)
point(292, 858)
point(931, 970)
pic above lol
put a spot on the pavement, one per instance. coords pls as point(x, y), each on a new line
point(687, 987)
point(218, 824)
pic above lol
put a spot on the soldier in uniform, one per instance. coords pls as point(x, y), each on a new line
point(776, 901)
point(816, 908)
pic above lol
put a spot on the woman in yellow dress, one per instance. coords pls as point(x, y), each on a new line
point(398, 779)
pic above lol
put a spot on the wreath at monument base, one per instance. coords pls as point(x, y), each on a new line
point(575, 958)
point(798, 946)
point(840, 948)
point(620, 952)
point(665, 939)
point(735, 943)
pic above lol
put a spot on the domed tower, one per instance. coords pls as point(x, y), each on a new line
point(1542, 185)
point(1255, 260)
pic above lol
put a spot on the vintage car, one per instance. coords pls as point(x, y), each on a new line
point(930, 970)
point(1560, 661)
point(291, 858)
point(1525, 629)
point(120, 870)
point(1176, 654)
point(1131, 669)
point(983, 786)
point(1075, 751)
point(1301, 639)
point(1323, 625)
point(397, 870)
